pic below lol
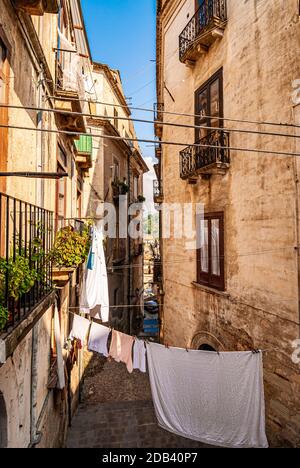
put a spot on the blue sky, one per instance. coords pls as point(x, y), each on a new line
point(122, 34)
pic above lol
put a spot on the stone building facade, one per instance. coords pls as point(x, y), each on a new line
point(240, 290)
point(45, 62)
point(117, 180)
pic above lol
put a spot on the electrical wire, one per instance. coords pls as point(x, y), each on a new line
point(171, 124)
point(143, 87)
point(139, 140)
point(254, 122)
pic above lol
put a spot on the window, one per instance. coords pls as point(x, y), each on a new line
point(79, 198)
point(135, 187)
point(116, 120)
point(3, 55)
point(209, 105)
point(210, 255)
point(116, 170)
point(61, 190)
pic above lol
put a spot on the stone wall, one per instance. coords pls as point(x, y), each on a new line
point(258, 195)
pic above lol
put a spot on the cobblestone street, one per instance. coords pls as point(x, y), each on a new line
point(117, 412)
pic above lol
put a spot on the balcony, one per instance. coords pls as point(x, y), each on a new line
point(37, 7)
point(84, 150)
point(25, 270)
point(158, 152)
point(158, 119)
point(158, 192)
point(69, 90)
point(206, 26)
point(212, 158)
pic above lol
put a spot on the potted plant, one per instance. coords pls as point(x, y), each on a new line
point(21, 278)
point(70, 250)
point(119, 188)
point(141, 199)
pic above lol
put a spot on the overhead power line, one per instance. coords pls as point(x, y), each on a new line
point(139, 140)
point(170, 124)
point(254, 122)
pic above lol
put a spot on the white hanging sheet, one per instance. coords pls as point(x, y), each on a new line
point(94, 290)
point(217, 399)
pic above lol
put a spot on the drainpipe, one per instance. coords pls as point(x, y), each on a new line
point(35, 437)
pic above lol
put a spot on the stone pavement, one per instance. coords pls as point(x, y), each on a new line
point(117, 412)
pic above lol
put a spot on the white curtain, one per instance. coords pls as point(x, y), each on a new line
point(204, 247)
point(215, 247)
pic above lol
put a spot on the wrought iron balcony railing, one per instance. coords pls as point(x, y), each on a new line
point(158, 194)
point(214, 156)
point(158, 111)
point(26, 239)
point(211, 14)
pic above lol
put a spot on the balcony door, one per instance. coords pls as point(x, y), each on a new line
point(209, 105)
point(3, 112)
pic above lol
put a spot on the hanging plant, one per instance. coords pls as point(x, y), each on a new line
point(71, 248)
point(141, 199)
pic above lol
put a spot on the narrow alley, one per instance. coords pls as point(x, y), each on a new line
point(117, 412)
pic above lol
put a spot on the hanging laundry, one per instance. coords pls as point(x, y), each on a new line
point(139, 355)
point(121, 349)
point(98, 339)
point(80, 328)
point(69, 61)
point(94, 291)
point(61, 383)
point(217, 399)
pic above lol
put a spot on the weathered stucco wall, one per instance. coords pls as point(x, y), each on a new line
point(258, 196)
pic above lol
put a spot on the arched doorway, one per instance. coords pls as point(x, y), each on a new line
point(206, 341)
point(207, 347)
point(3, 423)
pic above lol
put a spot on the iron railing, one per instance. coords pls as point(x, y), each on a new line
point(215, 150)
point(26, 239)
point(158, 109)
point(201, 21)
point(157, 189)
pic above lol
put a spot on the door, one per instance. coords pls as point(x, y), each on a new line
point(209, 105)
point(3, 113)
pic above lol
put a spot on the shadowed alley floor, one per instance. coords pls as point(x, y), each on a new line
point(117, 412)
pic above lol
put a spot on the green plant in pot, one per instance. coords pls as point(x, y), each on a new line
point(70, 248)
point(21, 278)
point(121, 187)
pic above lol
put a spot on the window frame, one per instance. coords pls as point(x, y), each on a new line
point(207, 86)
point(208, 279)
point(61, 167)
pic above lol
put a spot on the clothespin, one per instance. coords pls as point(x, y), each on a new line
point(167, 345)
point(186, 350)
point(255, 351)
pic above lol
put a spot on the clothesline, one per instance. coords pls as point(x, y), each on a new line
point(195, 395)
point(166, 345)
